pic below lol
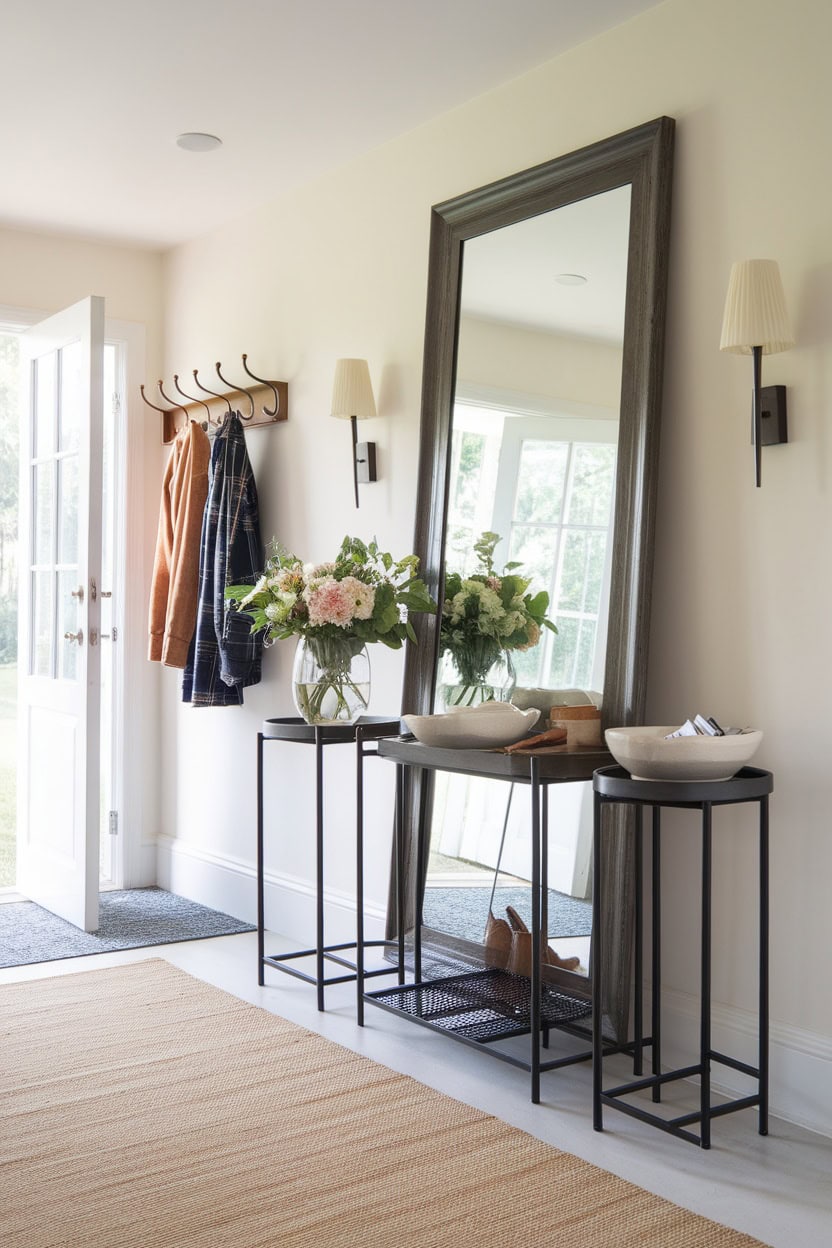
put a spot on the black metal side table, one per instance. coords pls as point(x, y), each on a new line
point(615, 785)
point(294, 729)
point(482, 1007)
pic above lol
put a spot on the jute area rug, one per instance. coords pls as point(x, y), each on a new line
point(143, 1107)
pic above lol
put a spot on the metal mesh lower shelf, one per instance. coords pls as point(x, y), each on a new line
point(483, 1005)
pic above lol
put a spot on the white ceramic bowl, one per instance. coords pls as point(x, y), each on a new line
point(483, 727)
point(647, 755)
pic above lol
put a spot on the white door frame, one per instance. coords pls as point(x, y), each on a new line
point(134, 858)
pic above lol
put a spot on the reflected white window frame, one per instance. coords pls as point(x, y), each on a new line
point(538, 417)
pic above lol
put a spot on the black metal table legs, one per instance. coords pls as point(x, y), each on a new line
point(613, 785)
point(482, 1007)
point(320, 736)
point(261, 921)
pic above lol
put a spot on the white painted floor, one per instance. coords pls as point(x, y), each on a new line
point(777, 1188)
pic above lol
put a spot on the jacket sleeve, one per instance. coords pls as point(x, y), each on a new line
point(184, 568)
point(160, 582)
point(240, 649)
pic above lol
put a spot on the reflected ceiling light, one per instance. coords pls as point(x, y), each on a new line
point(571, 279)
point(756, 323)
point(193, 141)
point(352, 400)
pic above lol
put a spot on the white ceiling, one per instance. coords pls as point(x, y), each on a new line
point(510, 275)
point(94, 92)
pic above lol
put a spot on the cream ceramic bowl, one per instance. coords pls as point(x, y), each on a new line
point(483, 727)
point(647, 755)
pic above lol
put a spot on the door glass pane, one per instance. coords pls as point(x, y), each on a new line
point(45, 380)
point(42, 622)
point(69, 621)
point(68, 509)
point(71, 392)
point(43, 512)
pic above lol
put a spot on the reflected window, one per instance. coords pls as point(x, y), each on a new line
point(546, 485)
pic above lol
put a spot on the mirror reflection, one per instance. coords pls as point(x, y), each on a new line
point(534, 441)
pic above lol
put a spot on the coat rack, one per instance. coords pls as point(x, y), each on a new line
point(264, 403)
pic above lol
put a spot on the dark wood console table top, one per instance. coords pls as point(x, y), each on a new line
point(554, 764)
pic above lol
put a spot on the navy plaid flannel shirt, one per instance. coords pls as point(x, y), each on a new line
point(225, 656)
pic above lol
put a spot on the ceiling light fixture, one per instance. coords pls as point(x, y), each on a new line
point(571, 279)
point(193, 141)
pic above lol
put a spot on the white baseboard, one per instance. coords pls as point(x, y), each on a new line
point(230, 885)
point(800, 1062)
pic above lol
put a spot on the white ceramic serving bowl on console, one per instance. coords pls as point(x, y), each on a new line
point(648, 754)
point(483, 727)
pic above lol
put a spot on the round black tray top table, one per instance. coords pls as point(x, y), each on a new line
point(293, 729)
point(615, 785)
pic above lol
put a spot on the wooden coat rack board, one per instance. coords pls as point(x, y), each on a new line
point(261, 403)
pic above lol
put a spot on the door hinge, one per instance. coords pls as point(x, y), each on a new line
point(113, 823)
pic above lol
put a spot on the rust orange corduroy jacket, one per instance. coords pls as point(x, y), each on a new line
point(173, 591)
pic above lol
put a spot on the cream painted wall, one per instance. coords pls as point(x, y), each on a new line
point(532, 362)
point(742, 594)
point(43, 273)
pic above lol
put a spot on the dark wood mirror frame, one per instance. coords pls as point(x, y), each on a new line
point(641, 157)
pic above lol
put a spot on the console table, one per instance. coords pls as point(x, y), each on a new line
point(615, 785)
point(293, 730)
point(483, 1006)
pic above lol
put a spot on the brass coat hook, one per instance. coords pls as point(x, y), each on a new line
point(212, 392)
point(192, 397)
point(172, 402)
point(239, 389)
point(164, 410)
point(267, 411)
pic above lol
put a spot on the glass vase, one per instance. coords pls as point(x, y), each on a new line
point(461, 685)
point(331, 679)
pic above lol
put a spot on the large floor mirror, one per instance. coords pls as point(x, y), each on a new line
point(540, 423)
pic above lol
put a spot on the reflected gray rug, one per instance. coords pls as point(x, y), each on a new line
point(128, 919)
point(463, 911)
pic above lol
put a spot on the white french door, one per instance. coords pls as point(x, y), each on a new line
point(58, 814)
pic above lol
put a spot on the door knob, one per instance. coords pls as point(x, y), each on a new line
point(79, 636)
point(78, 593)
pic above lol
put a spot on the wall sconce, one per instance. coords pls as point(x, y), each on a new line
point(352, 399)
point(756, 323)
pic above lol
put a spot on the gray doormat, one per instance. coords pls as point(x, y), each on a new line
point(463, 912)
point(128, 919)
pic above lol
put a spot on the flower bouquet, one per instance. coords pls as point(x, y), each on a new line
point(335, 609)
point(484, 617)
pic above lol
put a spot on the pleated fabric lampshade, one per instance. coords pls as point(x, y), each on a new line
point(352, 391)
point(353, 400)
point(756, 323)
point(755, 310)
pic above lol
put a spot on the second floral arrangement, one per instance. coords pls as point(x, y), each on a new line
point(485, 616)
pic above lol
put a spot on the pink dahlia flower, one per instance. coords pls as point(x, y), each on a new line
point(330, 603)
